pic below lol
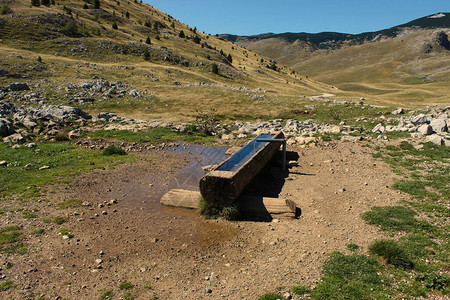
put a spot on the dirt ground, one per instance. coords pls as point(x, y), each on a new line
point(122, 234)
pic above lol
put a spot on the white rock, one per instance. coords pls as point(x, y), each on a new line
point(435, 139)
point(439, 125)
point(425, 129)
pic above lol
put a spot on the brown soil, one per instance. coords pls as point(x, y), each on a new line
point(177, 253)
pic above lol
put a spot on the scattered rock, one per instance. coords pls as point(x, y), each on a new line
point(44, 168)
point(398, 111)
point(435, 139)
point(425, 129)
point(3, 163)
point(15, 87)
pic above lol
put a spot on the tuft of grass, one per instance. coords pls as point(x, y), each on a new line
point(210, 211)
point(300, 290)
point(66, 232)
point(439, 282)
point(70, 203)
point(125, 285)
point(59, 220)
point(113, 150)
point(108, 294)
point(270, 296)
point(391, 251)
point(128, 296)
point(38, 231)
point(6, 285)
point(352, 247)
point(395, 218)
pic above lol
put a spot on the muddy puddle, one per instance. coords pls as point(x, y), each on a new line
point(140, 189)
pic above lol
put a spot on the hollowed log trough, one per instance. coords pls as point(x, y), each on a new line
point(224, 184)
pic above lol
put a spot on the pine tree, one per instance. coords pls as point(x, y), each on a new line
point(45, 2)
point(197, 39)
point(127, 15)
point(35, 2)
point(147, 55)
point(96, 4)
point(215, 68)
point(114, 26)
point(147, 41)
point(85, 6)
point(229, 58)
point(181, 34)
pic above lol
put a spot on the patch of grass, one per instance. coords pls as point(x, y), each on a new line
point(153, 135)
point(352, 247)
point(29, 215)
point(65, 161)
point(66, 232)
point(270, 296)
point(108, 294)
point(59, 220)
point(439, 282)
point(416, 188)
point(10, 240)
point(70, 203)
point(128, 296)
point(6, 285)
point(38, 231)
point(350, 277)
point(391, 251)
point(210, 211)
point(417, 245)
point(113, 150)
point(300, 290)
point(125, 285)
point(395, 218)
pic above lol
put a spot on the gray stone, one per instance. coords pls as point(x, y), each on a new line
point(14, 138)
point(350, 138)
point(379, 128)
point(76, 133)
point(3, 163)
point(419, 119)
point(425, 129)
point(18, 87)
point(398, 111)
point(435, 139)
point(439, 125)
point(6, 127)
point(32, 145)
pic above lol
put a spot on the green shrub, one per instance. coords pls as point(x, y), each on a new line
point(5, 9)
point(352, 247)
point(6, 285)
point(391, 251)
point(59, 220)
point(108, 294)
point(114, 150)
point(125, 285)
point(128, 296)
point(70, 29)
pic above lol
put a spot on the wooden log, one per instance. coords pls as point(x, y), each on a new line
point(248, 205)
point(222, 186)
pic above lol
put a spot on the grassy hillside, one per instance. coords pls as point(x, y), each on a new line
point(404, 64)
point(132, 42)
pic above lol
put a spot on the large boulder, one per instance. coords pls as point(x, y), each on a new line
point(6, 126)
point(419, 119)
point(439, 125)
point(425, 129)
point(60, 112)
point(15, 87)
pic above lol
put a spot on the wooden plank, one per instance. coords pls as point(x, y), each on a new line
point(248, 205)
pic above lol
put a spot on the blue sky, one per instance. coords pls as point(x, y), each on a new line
point(248, 17)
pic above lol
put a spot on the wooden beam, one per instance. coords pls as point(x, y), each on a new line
point(248, 205)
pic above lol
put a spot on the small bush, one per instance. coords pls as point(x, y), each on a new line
point(66, 232)
point(125, 285)
point(114, 26)
point(391, 251)
point(215, 68)
point(70, 29)
point(5, 9)
point(128, 296)
point(113, 150)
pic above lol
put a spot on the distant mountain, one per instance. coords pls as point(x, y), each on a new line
point(334, 40)
point(408, 62)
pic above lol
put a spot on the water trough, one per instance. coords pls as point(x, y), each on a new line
point(224, 184)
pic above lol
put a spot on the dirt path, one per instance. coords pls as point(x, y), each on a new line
point(124, 235)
